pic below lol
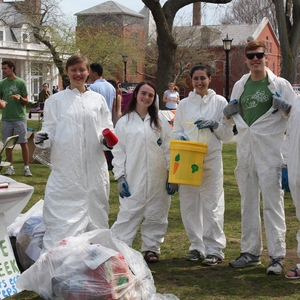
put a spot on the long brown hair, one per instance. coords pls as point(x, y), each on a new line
point(152, 109)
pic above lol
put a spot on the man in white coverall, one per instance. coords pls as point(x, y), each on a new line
point(77, 190)
point(260, 108)
point(292, 147)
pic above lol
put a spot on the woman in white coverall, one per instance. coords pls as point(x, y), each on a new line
point(292, 145)
point(202, 208)
point(141, 163)
point(77, 191)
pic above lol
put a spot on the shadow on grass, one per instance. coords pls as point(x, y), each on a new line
point(194, 281)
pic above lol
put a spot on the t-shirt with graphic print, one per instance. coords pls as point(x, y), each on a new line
point(256, 100)
point(14, 110)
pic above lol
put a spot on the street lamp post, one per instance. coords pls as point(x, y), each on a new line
point(227, 45)
point(125, 57)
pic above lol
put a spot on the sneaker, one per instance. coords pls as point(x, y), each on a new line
point(10, 171)
point(27, 173)
point(211, 260)
point(275, 267)
point(245, 260)
point(195, 255)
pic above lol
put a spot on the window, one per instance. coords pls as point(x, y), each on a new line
point(25, 38)
point(1, 36)
point(270, 48)
point(213, 68)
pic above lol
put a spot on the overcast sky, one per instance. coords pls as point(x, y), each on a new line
point(74, 6)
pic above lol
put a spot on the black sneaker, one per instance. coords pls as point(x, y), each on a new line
point(195, 255)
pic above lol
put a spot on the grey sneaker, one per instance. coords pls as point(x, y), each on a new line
point(211, 260)
point(10, 171)
point(27, 173)
point(245, 260)
point(195, 255)
point(275, 267)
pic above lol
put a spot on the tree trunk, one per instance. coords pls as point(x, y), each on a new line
point(289, 36)
point(167, 46)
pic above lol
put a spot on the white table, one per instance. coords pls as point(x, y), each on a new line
point(12, 201)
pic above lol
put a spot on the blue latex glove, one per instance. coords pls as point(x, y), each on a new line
point(123, 187)
point(40, 137)
point(182, 138)
point(285, 179)
point(279, 103)
point(203, 123)
point(231, 108)
point(172, 188)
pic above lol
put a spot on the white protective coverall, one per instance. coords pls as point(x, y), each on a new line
point(77, 190)
point(202, 208)
point(258, 170)
point(292, 154)
point(145, 164)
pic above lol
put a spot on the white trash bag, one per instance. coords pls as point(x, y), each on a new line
point(94, 266)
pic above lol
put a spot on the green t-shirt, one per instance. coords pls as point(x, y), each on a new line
point(14, 110)
point(256, 100)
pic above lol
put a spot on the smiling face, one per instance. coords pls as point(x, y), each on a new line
point(78, 74)
point(200, 82)
point(256, 65)
point(145, 97)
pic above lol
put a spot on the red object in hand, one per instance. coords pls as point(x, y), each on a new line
point(110, 137)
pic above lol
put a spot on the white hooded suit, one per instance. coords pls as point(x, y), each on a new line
point(77, 191)
point(142, 155)
point(202, 208)
point(259, 171)
point(292, 146)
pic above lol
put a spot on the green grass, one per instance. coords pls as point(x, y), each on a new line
point(189, 280)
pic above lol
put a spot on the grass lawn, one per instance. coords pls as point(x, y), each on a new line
point(189, 280)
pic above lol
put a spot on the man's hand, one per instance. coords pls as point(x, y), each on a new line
point(16, 97)
point(279, 103)
point(2, 103)
point(231, 108)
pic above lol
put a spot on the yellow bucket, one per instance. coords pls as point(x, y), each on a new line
point(186, 162)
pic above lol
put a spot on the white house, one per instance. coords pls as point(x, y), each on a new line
point(33, 60)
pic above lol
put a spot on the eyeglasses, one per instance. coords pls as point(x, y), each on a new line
point(259, 55)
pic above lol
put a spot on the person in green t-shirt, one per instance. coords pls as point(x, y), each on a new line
point(260, 106)
point(14, 97)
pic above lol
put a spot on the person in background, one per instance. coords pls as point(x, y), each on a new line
point(117, 103)
point(77, 190)
point(101, 86)
point(13, 91)
point(44, 93)
point(259, 107)
point(171, 97)
point(55, 89)
point(141, 163)
point(202, 207)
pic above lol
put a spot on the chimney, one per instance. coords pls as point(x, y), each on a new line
point(197, 14)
